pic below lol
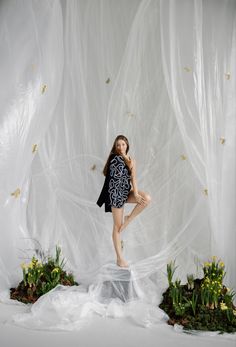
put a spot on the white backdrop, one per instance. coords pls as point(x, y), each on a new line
point(75, 74)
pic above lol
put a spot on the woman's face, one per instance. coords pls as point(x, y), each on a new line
point(121, 147)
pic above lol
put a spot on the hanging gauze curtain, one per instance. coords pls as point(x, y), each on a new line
point(199, 54)
point(107, 68)
point(31, 73)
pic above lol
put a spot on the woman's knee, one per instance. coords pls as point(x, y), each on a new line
point(147, 198)
point(117, 227)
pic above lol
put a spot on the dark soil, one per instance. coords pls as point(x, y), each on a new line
point(27, 295)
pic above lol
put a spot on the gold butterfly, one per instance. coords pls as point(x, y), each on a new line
point(34, 148)
point(222, 140)
point(44, 87)
point(187, 69)
point(16, 193)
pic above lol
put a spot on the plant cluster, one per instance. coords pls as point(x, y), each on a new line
point(201, 304)
point(39, 277)
point(211, 288)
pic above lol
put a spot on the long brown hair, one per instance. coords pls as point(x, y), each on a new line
point(114, 152)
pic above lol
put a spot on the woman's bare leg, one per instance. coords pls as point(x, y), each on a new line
point(137, 209)
point(117, 214)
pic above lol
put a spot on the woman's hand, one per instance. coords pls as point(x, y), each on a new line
point(126, 158)
point(140, 200)
point(129, 162)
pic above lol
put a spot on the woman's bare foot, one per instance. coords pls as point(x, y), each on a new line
point(122, 263)
point(124, 225)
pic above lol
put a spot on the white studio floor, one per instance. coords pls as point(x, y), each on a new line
point(102, 332)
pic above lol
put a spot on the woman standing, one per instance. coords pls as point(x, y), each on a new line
point(120, 187)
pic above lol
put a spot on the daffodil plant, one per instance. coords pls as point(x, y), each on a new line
point(202, 303)
point(214, 272)
point(170, 271)
point(41, 276)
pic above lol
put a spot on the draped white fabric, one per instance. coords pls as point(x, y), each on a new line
point(199, 66)
point(75, 74)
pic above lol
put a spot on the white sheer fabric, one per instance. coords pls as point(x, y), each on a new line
point(28, 29)
point(199, 66)
point(78, 73)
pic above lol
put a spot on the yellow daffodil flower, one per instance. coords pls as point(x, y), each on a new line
point(223, 306)
point(23, 266)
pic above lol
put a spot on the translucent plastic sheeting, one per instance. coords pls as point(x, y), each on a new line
point(199, 66)
point(31, 73)
point(77, 74)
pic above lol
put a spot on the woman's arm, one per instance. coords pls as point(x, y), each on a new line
point(133, 176)
point(128, 161)
point(132, 167)
point(137, 196)
point(131, 163)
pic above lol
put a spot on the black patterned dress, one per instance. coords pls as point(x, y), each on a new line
point(117, 185)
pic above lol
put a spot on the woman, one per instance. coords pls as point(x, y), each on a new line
point(120, 186)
